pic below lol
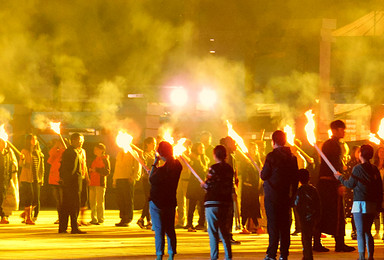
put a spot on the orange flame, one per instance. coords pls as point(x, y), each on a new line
point(55, 127)
point(179, 148)
point(124, 140)
point(240, 142)
point(290, 135)
point(374, 139)
point(3, 133)
point(167, 135)
point(330, 133)
point(380, 133)
point(310, 127)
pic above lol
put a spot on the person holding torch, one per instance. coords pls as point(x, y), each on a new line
point(331, 193)
point(162, 199)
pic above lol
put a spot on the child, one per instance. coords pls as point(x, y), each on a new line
point(308, 206)
point(217, 203)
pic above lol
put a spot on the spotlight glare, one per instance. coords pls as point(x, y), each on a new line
point(179, 97)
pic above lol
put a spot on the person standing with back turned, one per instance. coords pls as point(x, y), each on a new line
point(280, 176)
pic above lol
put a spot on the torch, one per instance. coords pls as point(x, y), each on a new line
point(178, 151)
point(374, 139)
point(310, 130)
point(4, 137)
point(291, 140)
point(124, 141)
point(240, 143)
point(56, 128)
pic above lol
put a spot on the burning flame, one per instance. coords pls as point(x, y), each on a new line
point(374, 139)
point(380, 133)
point(240, 142)
point(179, 148)
point(168, 136)
point(3, 134)
point(124, 140)
point(290, 135)
point(330, 133)
point(55, 127)
point(310, 127)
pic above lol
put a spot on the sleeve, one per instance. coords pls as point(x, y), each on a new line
point(352, 181)
point(266, 172)
point(13, 162)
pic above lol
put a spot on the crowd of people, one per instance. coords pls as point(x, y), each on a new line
point(232, 190)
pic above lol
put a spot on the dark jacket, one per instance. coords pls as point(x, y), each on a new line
point(366, 183)
point(219, 185)
point(164, 181)
point(280, 175)
point(308, 203)
point(332, 150)
point(70, 169)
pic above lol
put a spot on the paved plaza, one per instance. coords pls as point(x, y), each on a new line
point(106, 241)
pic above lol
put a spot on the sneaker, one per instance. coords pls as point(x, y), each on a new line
point(320, 248)
point(140, 223)
point(269, 258)
point(345, 248)
point(78, 231)
point(245, 231)
point(93, 223)
point(376, 236)
point(235, 242)
point(191, 229)
point(296, 233)
point(149, 226)
point(353, 235)
point(121, 224)
point(56, 222)
point(323, 236)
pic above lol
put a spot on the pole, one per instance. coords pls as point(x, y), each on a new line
point(139, 160)
point(62, 140)
point(325, 159)
point(191, 169)
point(250, 159)
point(309, 158)
point(137, 148)
point(14, 148)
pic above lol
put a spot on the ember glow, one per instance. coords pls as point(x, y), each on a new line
point(240, 142)
point(380, 133)
point(179, 148)
point(124, 140)
point(330, 133)
point(55, 127)
point(290, 135)
point(310, 127)
point(374, 139)
point(3, 133)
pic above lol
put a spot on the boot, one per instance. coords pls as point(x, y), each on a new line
point(28, 212)
point(4, 220)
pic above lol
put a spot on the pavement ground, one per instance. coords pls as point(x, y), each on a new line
point(42, 241)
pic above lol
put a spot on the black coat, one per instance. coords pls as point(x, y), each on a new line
point(70, 169)
point(280, 175)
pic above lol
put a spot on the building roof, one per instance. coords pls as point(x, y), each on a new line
point(371, 24)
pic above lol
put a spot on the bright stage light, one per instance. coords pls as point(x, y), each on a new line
point(179, 97)
point(207, 98)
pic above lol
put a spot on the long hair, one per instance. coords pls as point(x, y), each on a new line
point(376, 159)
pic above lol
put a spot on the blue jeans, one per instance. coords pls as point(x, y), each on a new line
point(163, 222)
point(217, 224)
point(363, 223)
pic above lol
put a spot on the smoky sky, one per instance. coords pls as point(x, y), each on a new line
point(88, 55)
